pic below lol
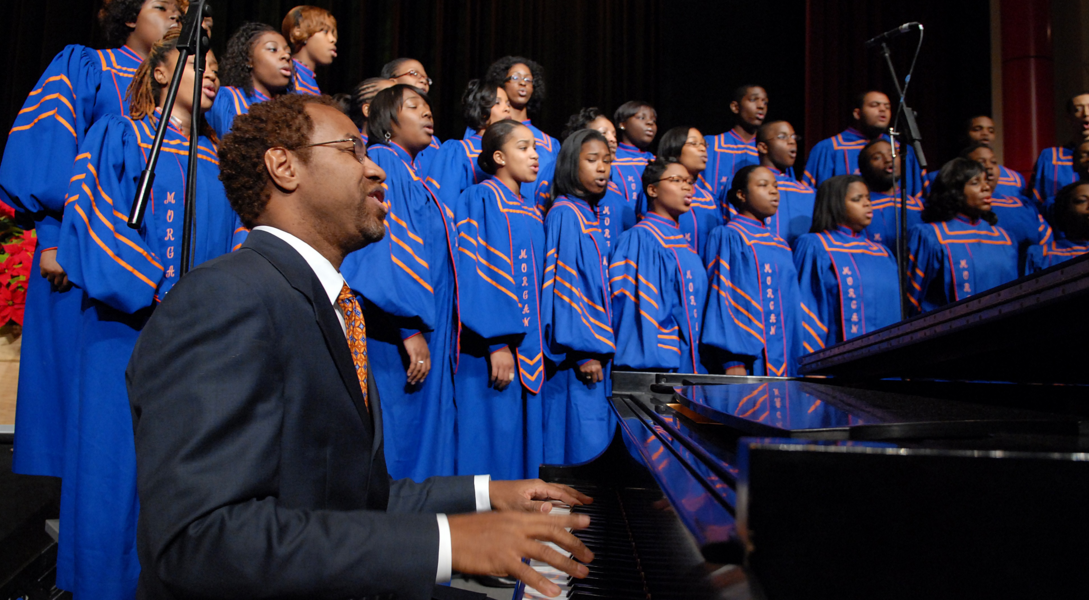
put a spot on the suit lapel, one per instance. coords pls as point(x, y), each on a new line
point(301, 277)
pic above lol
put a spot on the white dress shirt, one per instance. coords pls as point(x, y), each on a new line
point(332, 282)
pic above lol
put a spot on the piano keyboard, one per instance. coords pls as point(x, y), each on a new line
point(640, 550)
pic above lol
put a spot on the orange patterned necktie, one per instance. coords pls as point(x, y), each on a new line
point(357, 336)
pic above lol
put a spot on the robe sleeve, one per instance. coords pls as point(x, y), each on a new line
point(110, 261)
point(573, 321)
point(915, 173)
point(239, 235)
point(733, 322)
point(923, 266)
point(818, 293)
point(228, 104)
point(392, 273)
point(643, 298)
point(451, 172)
point(487, 289)
point(542, 188)
point(819, 166)
point(1039, 180)
point(42, 145)
point(1035, 259)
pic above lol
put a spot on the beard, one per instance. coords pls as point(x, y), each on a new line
point(374, 227)
point(878, 181)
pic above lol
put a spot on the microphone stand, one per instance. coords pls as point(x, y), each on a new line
point(193, 41)
point(912, 138)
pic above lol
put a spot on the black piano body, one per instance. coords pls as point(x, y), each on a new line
point(854, 485)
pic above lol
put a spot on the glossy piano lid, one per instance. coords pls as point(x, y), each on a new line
point(803, 409)
point(780, 408)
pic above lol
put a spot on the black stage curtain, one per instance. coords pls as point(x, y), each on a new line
point(684, 56)
point(952, 79)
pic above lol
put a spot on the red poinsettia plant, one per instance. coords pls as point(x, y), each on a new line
point(16, 256)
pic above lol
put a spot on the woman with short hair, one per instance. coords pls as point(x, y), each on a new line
point(455, 167)
point(409, 283)
point(958, 250)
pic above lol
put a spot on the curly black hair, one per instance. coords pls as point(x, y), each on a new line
point(1065, 218)
point(114, 15)
point(279, 123)
point(581, 120)
point(477, 103)
point(947, 199)
point(497, 76)
point(236, 66)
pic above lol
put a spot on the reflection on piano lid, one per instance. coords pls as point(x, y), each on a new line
point(819, 411)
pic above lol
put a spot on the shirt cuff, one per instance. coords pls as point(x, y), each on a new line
point(482, 484)
point(446, 553)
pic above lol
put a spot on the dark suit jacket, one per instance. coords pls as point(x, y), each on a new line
point(260, 472)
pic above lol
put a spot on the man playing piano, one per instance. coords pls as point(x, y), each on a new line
point(258, 428)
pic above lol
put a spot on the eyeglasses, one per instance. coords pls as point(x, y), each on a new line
point(784, 137)
point(523, 78)
point(699, 144)
point(678, 179)
point(357, 146)
point(415, 74)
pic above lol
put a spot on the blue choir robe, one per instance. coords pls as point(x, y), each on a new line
point(727, 154)
point(409, 285)
point(1024, 225)
point(122, 273)
point(1054, 169)
point(752, 306)
point(886, 215)
point(956, 259)
point(613, 216)
point(848, 285)
point(627, 170)
point(576, 319)
point(838, 155)
point(1011, 185)
point(454, 169)
point(659, 288)
point(704, 216)
point(501, 261)
point(231, 102)
point(304, 81)
point(548, 149)
point(1053, 252)
point(80, 86)
point(424, 158)
point(631, 208)
point(795, 214)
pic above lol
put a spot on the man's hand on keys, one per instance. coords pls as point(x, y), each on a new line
point(495, 543)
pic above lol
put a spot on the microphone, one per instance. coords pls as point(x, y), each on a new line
point(888, 35)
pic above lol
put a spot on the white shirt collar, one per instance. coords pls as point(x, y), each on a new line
point(331, 279)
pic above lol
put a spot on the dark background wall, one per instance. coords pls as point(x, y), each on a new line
point(684, 56)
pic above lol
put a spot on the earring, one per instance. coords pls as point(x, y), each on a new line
point(387, 136)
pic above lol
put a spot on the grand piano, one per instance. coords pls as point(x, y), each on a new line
point(945, 456)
